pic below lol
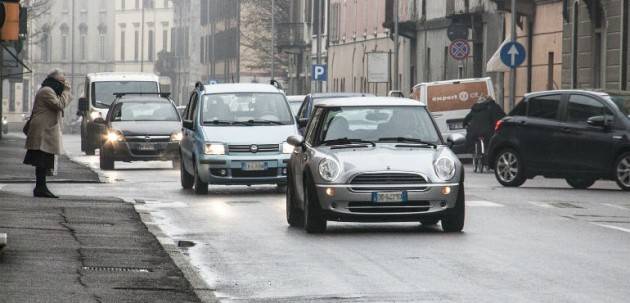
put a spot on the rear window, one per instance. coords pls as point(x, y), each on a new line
point(520, 109)
point(544, 107)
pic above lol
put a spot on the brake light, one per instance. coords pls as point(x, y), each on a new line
point(498, 125)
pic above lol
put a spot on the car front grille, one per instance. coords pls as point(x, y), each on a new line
point(371, 182)
point(262, 148)
point(239, 173)
point(397, 207)
point(148, 139)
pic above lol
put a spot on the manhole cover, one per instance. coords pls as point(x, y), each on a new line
point(565, 205)
point(115, 269)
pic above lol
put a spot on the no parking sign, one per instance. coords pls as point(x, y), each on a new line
point(459, 49)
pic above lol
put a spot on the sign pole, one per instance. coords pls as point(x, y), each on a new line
point(396, 46)
point(513, 68)
point(273, 42)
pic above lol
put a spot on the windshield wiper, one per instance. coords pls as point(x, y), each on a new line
point(226, 122)
point(265, 122)
point(101, 104)
point(407, 140)
point(346, 141)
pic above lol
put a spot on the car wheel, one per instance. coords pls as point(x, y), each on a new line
point(105, 159)
point(508, 168)
point(622, 172)
point(314, 221)
point(429, 222)
point(580, 183)
point(295, 216)
point(454, 219)
point(89, 151)
point(186, 179)
point(201, 188)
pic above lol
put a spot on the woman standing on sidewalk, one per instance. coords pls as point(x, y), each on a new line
point(43, 130)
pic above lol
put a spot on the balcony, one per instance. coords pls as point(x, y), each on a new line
point(292, 36)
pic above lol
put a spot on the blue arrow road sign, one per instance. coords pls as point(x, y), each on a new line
point(319, 72)
point(513, 54)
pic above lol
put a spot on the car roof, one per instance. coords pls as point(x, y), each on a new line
point(122, 76)
point(564, 91)
point(369, 101)
point(240, 88)
point(338, 95)
point(295, 98)
point(142, 98)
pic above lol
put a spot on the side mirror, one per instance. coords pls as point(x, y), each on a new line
point(455, 139)
point(600, 121)
point(83, 104)
point(188, 124)
point(295, 140)
point(302, 122)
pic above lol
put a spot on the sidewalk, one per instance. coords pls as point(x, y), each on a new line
point(13, 171)
point(78, 248)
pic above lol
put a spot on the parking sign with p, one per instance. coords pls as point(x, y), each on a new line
point(319, 72)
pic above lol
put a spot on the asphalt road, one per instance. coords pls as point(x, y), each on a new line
point(543, 242)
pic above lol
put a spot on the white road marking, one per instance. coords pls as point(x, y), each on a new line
point(481, 203)
point(613, 227)
point(540, 204)
point(616, 206)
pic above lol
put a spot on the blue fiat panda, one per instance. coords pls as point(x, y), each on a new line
point(235, 134)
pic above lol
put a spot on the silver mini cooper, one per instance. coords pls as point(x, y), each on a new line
point(374, 159)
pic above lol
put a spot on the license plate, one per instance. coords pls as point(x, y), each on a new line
point(146, 147)
point(386, 197)
point(456, 125)
point(253, 166)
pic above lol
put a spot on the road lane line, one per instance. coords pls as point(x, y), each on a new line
point(612, 227)
point(540, 204)
point(482, 203)
point(616, 206)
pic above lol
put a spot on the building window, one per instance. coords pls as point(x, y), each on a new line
point(64, 41)
point(202, 56)
point(122, 5)
point(165, 40)
point(102, 30)
point(136, 46)
point(122, 45)
point(165, 3)
point(83, 41)
point(151, 45)
point(45, 47)
point(137, 4)
point(550, 66)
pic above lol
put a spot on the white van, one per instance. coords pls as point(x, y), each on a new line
point(98, 95)
point(450, 101)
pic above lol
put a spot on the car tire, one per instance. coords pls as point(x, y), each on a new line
point(187, 180)
point(509, 168)
point(89, 151)
point(622, 171)
point(201, 188)
point(580, 183)
point(314, 222)
point(295, 216)
point(429, 222)
point(105, 160)
point(455, 217)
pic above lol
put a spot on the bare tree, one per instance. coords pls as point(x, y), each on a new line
point(38, 21)
point(256, 34)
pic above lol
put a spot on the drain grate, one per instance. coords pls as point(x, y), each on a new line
point(565, 205)
point(116, 269)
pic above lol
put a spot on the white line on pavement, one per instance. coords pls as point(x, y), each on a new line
point(540, 204)
point(481, 203)
point(617, 206)
point(613, 227)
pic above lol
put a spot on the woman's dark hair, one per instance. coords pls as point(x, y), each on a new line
point(55, 84)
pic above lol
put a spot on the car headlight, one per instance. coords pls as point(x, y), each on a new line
point(287, 148)
point(95, 115)
point(444, 168)
point(176, 136)
point(329, 169)
point(214, 149)
point(113, 136)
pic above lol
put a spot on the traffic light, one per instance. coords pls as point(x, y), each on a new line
point(9, 20)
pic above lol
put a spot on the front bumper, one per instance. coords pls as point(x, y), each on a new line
point(355, 204)
point(131, 151)
point(229, 169)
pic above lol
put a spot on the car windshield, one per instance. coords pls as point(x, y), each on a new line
point(103, 92)
point(295, 106)
point(145, 111)
point(383, 124)
point(245, 109)
point(622, 102)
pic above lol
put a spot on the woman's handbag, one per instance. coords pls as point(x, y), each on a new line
point(27, 126)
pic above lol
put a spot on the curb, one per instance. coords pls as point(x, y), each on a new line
point(199, 286)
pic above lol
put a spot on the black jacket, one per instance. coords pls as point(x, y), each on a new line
point(482, 118)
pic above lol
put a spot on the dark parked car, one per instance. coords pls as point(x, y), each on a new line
point(141, 127)
point(580, 136)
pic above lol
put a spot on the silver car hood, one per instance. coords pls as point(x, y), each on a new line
point(272, 134)
point(387, 157)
